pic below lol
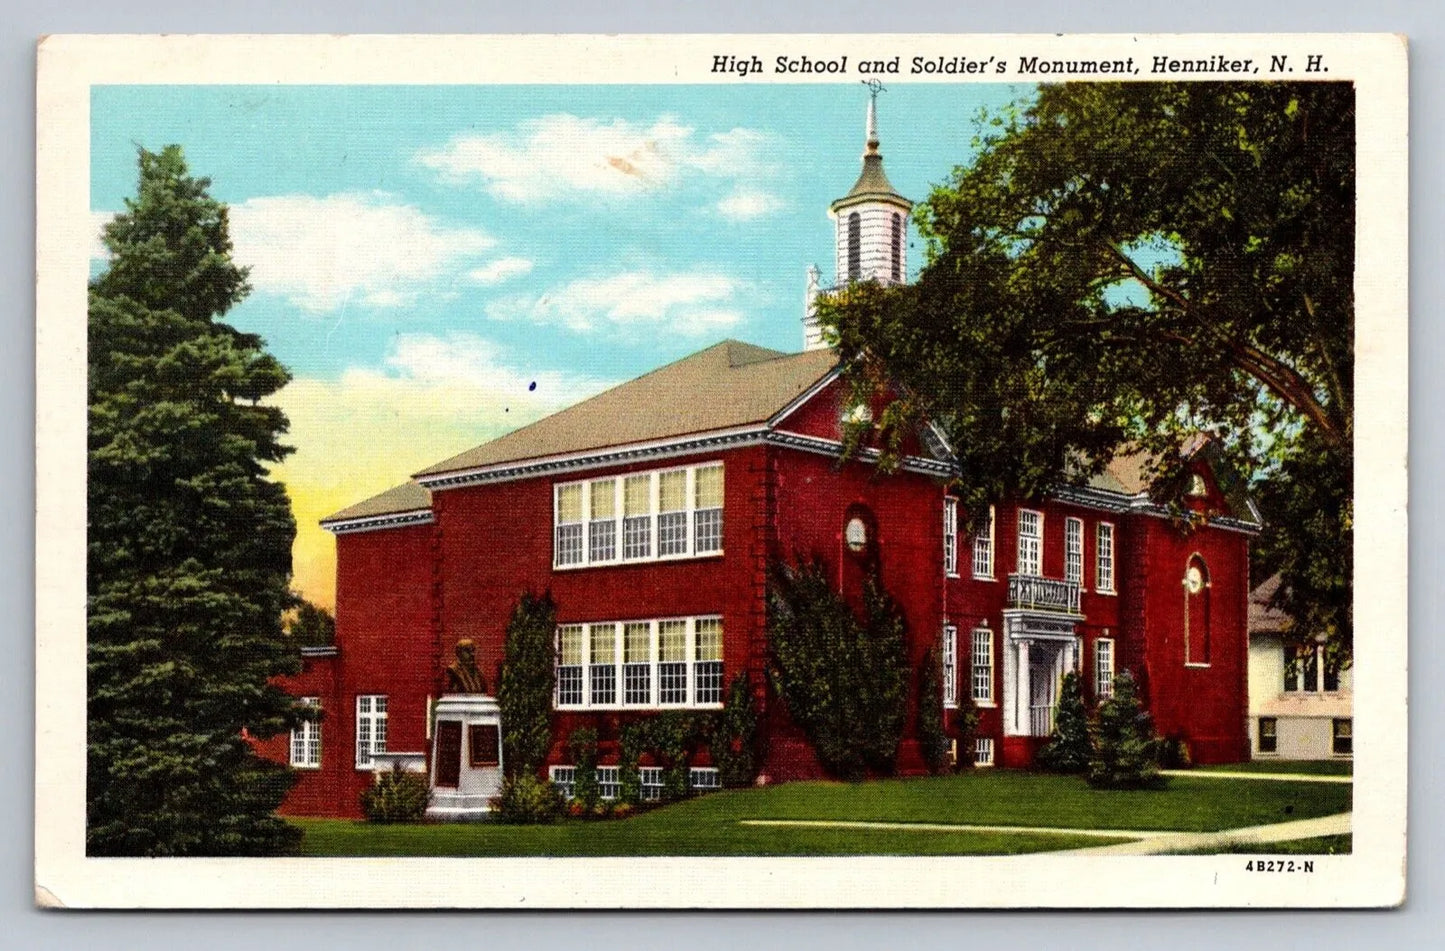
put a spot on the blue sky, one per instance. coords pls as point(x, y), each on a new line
point(422, 256)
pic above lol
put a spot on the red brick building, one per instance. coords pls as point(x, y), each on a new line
point(653, 510)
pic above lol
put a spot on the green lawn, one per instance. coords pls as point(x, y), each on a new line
point(1312, 767)
point(709, 825)
point(1320, 845)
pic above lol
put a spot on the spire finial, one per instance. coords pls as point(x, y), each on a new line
point(874, 88)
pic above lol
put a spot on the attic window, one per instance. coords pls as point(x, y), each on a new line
point(1197, 487)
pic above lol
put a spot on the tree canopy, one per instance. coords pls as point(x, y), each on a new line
point(1124, 266)
point(189, 542)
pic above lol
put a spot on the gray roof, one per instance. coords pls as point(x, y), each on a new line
point(872, 184)
point(1264, 619)
point(728, 385)
point(407, 497)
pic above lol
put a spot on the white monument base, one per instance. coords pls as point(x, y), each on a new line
point(466, 760)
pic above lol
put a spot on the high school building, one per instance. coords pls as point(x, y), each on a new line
point(653, 511)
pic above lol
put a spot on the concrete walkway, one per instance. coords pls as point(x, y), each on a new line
point(1143, 841)
point(1338, 824)
point(1269, 777)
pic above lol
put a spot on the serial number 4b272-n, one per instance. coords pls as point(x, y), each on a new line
point(1279, 865)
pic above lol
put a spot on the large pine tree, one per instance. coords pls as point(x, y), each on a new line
point(189, 543)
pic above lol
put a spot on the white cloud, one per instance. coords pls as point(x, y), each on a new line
point(689, 303)
point(561, 154)
point(502, 269)
point(354, 246)
point(745, 203)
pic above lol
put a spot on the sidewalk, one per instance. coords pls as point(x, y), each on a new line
point(1269, 777)
point(1338, 824)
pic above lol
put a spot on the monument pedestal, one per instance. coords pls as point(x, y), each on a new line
point(466, 758)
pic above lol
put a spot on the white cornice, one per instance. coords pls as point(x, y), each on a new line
point(371, 523)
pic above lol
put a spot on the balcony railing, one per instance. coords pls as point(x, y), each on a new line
point(1033, 593)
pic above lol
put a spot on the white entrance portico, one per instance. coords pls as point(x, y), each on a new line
point(1040, 646)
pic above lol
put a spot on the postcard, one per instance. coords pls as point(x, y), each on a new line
point(734, 471)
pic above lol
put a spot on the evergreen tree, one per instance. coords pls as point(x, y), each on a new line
point(1125, 747)
point(313, 626)
point(1069, 748)
point(524, 692)
point(189, 543)
point(932, 739)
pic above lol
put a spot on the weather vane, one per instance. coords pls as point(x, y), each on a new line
point(874, 87)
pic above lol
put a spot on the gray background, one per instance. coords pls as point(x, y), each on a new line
point(1419, 924)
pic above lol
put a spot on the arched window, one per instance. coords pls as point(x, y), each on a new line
point(897, 249)
point(855, 247)
point(1196, 611)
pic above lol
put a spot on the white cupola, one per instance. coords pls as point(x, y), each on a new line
point(870, 227)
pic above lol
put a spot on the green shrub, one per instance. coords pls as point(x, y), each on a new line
point(845, 681)
point(932, 740)
point(1125, 748)
point(630, 745)
point(965, 728)
point(734, 743)
point(1174, 753)
point(396, 796)
point(524, 692)
point(525, 799)
point(1069, 748)
point(582, 745)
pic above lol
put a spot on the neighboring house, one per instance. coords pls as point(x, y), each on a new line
point(653, 511)
point(1300, 700)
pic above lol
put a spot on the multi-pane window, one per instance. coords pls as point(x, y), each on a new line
point(707, 660)
point(668, 513)
point(672, 512)
point(637, 663)
point(950, 666)
point(569, 525)
point(982, 681)
point(704, 778)
point(564, 779)
point(569, 665)
point(672, 662)
point(707, 516)
point(1074, 550)
point(651, 777)
point(1343, 737)
point(637, 517)
point(1031, 542)
point(950, 536)
point(602, 522)
point(983, 751)
point(1104, 668)
point(370, 729)
point(1104, 568)
point(1311, 671)
point(983, 550)
point(1268, 735)
point(306, 739)
point(609, 782)
point(602, 670)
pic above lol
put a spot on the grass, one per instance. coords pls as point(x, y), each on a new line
point(1311, 767)
point(709, 825)
point(1320, 845)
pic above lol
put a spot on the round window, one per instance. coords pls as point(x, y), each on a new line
point(1194, 579)
point(855, 534)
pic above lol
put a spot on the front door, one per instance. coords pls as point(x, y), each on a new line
point(449, 754)
point(1043, 681)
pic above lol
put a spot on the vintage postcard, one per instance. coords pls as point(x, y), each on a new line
point(721, 471)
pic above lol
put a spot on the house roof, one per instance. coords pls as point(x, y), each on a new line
point(1264, 619)
point(407, 497)
point(728, 385)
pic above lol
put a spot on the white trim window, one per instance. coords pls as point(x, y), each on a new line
point(370, 729)
point(983, 550)
point(704, 779)
point(950, 666)
point(644, 516)
point(1309, 671)
point(667, 662)
point(609, 782)
point(564, 780)
point(1031, 542)
point(306, 739)
point(1104, 668)
point(950, 537)
point(982, 666)
point(651, 781)
point(983, 751)
point(1074, 550)
point(1104, 560)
